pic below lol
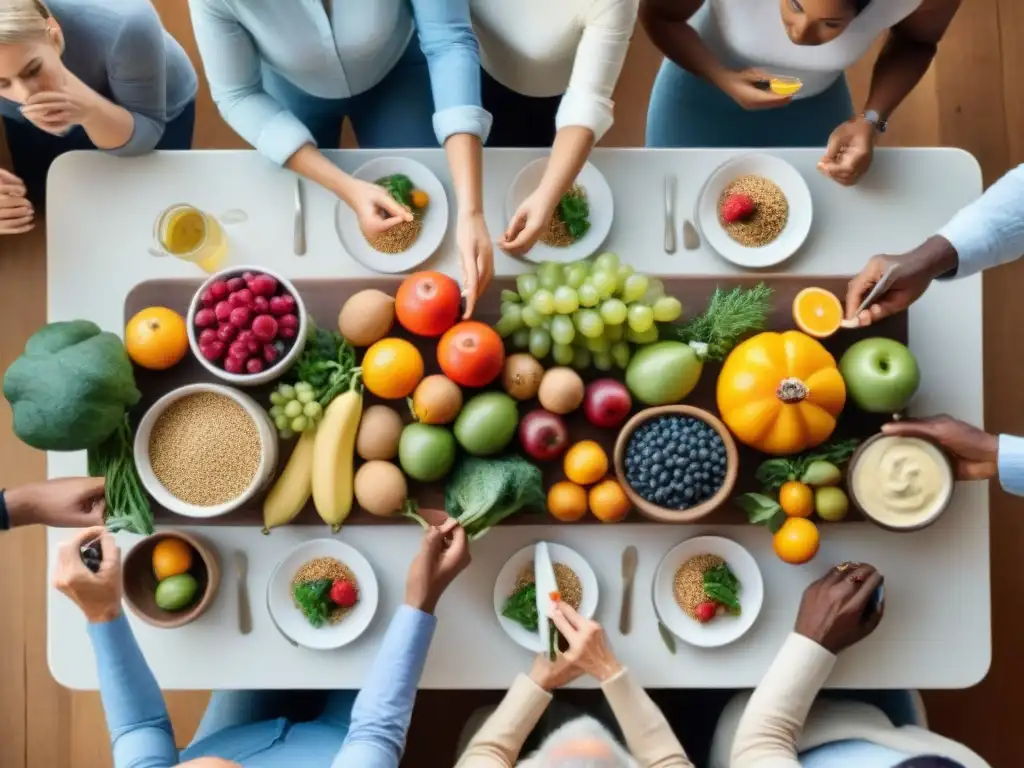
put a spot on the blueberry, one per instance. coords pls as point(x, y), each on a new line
point(692, 455)
point(687, 480)
point(688, 493)
point(656, 457)
point(677, 474)
point(706, 490)
point(664, 477)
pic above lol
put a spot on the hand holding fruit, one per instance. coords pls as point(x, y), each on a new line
point(477, 257)
point(68, 502)
point(588, 644)
point(974, 451)
point(837, 611)
point(850, 150)
point(374, 206)
point(97, 594)
point(443, 555)
point(16, 212)
point(742, 88)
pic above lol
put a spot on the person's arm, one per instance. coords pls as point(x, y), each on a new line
point(1011, 464)
point(767, 733)
point(501, 737)
point(140, 728)
point(383, 708)
point(648, 735)
point(667, 23)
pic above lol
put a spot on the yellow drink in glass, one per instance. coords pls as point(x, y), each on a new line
point(785, 86)
point(189, 234)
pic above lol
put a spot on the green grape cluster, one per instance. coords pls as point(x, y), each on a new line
point(585, 313)
point(294, 408)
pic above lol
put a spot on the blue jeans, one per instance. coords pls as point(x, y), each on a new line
point(397, 112)
point(686, 111)
point(228, 709)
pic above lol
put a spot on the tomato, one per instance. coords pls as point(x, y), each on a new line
point(471, 354)
point(428, 303)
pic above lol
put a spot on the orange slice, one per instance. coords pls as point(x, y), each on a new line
point(817, 312)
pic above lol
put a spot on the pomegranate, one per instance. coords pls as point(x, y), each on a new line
point(428, 303)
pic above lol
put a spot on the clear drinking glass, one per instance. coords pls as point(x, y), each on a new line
point(189, 234)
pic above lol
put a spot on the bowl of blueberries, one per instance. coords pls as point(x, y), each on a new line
point(676, 463)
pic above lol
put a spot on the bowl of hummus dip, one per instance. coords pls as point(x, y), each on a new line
point(900, 483)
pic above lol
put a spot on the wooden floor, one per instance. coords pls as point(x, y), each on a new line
point(967, 100)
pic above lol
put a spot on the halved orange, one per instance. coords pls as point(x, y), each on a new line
point(817, 312)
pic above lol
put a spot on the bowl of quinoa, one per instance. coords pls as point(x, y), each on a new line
point(204, 450)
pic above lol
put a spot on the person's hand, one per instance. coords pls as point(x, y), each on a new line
point(530, 221)
point(837, 610)
point(588, 644)
point(443, 555)
point(68, 502)
point(477, 257)
point(550, 675)
point(374, 206)
point(975, 452)
point(916, 271)
point(59, 111)
point(16, 212)
point(850, 150)
point(742, 88)
point(97, 594)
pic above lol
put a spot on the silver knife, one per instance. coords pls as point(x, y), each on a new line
point(666, 634)
point(670, 213)
point(300, 221)
point(244, 608)
point(544, 578)
point(877, 290)
point(629, 558)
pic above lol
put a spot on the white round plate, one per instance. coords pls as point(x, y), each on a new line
point(724, 628)
point(506, 582)
point(793, 187)
point(435, 220)
point(599, 195)
point(290, 619)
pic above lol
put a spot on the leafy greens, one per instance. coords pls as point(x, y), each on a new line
point(730, 316)
point(521, 607)
point(399, 186)
point(574, 210)
point(313, 597)
point(722, 586)
point(774, 472)
point(328, 364)
point(482, 492)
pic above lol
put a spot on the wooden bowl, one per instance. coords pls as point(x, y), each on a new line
point(665, 514)
point(140, 583)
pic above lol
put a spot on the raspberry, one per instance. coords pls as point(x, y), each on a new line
point(706, 612)
point(737, 207)
point(343, 594)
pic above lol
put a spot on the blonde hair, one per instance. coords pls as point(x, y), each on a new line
point(23, 20)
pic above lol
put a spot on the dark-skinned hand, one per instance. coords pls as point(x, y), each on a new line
point(975, 452)
point(836, 611)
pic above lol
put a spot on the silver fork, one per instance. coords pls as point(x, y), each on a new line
point(670, 213)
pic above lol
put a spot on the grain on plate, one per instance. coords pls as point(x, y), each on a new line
point(205, 449)
point(570, 588)
point(332, 570)
point(688, 585)
point(398, 238)
point(769, 217)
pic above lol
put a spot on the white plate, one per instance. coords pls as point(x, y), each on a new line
point(291, 620)
point(599, 195)
point(793, 187)
point(506, 582)
point(435, 220)
point(723, 629)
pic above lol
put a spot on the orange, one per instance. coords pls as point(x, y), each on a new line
point(567, 501)
point(156, 338)
point(171, 557)
point(585, 462)
point(796, 541)
point(609, 502)
point(817, 312)
point(392, 368)
point(796, 499)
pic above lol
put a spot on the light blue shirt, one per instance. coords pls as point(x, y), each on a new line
point(140, 729)
point(987, 233)
point(333, 57)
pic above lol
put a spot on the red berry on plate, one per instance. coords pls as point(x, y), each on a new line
point(289, 321)
point(343, 594)
point(270, 353)
point(254, 365)
point(264, 328)
point(235, 284)
point(207, 299)
point(234, 364)
point(238, 349)
point(219, 289)
point(248, 276)
point(706, 612)
point(289, 301)
point(243, 298)
point(213, 351)
point(223, 310)
point(287, 333)
point(240, 317)
point(263, 285)
point(737, 207)
point(278, 305)
point(226, 332)
point(260, 305)
point(254, 345)
point(207, 336)
point(205, 318)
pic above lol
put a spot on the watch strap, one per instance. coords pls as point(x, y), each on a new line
point(876, 120)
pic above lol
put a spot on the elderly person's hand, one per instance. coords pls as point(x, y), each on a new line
point(443, 555)
point(97, 594)
point(842, 607)
point(588, 645)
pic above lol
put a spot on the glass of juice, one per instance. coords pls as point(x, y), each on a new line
point(187, 233)
point(785, 86)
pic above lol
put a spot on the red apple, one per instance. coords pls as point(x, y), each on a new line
point(543, 435)
point(606, 403)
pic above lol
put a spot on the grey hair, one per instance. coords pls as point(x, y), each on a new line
point(23, 20)
point(550, 754)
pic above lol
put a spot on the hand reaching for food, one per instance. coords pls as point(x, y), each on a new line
point(67, 502)
point(97, 594)
point(842, 607)
point(477, 255)
point(588, 644)
point(16, 212)
point(443, 555)
point(531, 219)
point(375, 208)
point(975, 451)
point(850, 150)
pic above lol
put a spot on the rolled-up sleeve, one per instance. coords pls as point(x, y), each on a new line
point(233, 68)
point(453, 58)
point(607, 30)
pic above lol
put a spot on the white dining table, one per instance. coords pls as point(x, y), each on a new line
point(937, 630)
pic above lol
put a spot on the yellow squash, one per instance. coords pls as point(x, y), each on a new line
point(781, 392)
point(291, 491)
point(333, 455)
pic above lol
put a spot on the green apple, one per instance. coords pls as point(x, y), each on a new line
point(881, 375)
point(426, 452)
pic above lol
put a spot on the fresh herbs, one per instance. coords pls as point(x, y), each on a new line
point(482, 492)
point(521, 607)
point(127, 506)
point(328, 364)
point(313, 597)
point(774, 472)
point(722, 586)
point(574, 210)
point(730, 316)
point(399, 186)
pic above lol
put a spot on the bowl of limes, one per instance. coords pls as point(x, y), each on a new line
point(170, 578)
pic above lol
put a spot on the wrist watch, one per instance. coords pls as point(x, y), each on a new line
point(876, 120)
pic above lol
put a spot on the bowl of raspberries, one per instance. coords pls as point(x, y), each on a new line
point(247, 325)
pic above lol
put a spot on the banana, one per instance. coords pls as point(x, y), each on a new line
point(333, 454)
point(292, 489)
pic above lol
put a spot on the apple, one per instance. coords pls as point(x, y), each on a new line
point(543, 435)
point(881, 375)
point(606, 403)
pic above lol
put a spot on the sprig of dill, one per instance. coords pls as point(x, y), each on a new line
point(730, 316)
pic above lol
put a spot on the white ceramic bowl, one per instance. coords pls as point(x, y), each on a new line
point(723, 629)
point(793, 186)
point(167, 500)
point(277, 369)
point(289, 618)
point(602, 209)
point(505, 585)
point(435, 220)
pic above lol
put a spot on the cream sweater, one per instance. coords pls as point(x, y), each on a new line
point(648, 736)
